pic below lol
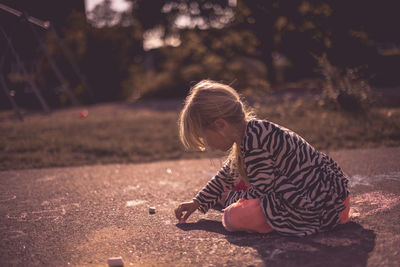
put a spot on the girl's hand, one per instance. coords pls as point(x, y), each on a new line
point(188, 207)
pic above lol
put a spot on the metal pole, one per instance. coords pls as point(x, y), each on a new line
point(5, 87)
point(71, 60)
point(27, 76)
point(38, 22)
point(56, 70)
point(10, 97)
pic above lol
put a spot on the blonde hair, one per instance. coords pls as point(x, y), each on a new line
point(208, 101)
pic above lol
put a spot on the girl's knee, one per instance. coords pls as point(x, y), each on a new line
point(226, 222)
point(229, 218)
point(245, 215)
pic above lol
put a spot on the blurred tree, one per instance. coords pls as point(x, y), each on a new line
point(169, 14)
point(74, 38)
point(219, 54)
point(347, 31)
point(103, 49)
point(168, 18)
point(103, 15)
point(106, 48)
point(209, 47)
point(111, 50)
point(258, 16)
point(27, 46)
point(357, 31)
point(213, 35)
point(227, 40)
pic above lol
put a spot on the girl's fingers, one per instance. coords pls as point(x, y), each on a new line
point(188, 208)
point(188, 213)
point(178, 212)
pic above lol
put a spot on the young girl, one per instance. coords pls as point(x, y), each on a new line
point(273, 179)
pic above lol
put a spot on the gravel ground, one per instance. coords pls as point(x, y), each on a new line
point(81, 216)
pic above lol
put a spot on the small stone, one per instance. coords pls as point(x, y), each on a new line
point(152, 210)
point(115, 262)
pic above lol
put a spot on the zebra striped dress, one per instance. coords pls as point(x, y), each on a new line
point(301, 190)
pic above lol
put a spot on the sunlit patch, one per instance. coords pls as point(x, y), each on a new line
point(372, 202)
point(335, 241)
point(354, 213)
point(133, 203)
point(366, 180)
point(45, 203)
point(395, 176)
point(13, 234)
point(55, 214)
point(131, 188)
point(98, 243)
point(169, 183)
point(7, 197)
point(359, 180)
point(47, 178)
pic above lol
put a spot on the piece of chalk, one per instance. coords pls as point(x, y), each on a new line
point(115, 262)
point(152, 210)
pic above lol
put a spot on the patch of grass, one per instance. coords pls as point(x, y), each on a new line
point(119, 133)
point(110, 134)
point(344, 89)
point(332, 130)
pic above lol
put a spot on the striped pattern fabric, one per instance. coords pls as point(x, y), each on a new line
point(301, 190)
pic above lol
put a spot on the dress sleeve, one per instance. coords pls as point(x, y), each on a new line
point(260, 168)
point(212, 192)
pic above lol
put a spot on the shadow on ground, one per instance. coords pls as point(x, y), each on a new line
point(347, 245)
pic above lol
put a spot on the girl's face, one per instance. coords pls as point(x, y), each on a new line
point(217, 140)
point(220, 138)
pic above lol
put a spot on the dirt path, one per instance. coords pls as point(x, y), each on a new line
point(83, 215)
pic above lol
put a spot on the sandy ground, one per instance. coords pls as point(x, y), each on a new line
point(81, 216)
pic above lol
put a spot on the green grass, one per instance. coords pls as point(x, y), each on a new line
point(121, 133)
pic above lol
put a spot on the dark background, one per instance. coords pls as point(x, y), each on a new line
point(253, 45)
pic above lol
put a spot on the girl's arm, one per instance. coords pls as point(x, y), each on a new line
point(212, 192)
point(260, 169)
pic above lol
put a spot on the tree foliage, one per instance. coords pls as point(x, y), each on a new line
point(230, 41)
point(215, 54)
